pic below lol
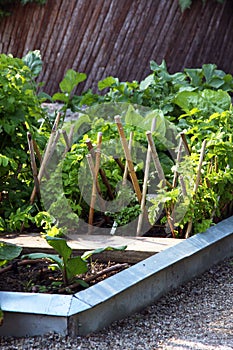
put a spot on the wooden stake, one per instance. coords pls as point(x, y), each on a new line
point(201, 158)
point(71, 134)
point(160, 172)
point(186, 146)
point(93, 196)
point(33, 165)
point(145, 181)
point(47, 154)
point(101, 171)
point(174, 182)
point(128, 158)
point(67, 141)
point(124, 179)
point(92, 170)
point(155, 158)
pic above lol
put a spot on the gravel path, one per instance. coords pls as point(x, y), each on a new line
point(198, 315)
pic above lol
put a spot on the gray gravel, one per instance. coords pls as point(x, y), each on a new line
point(198, 315)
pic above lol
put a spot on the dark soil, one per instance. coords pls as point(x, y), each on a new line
point(37, 277)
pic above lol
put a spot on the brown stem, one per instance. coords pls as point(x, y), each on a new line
point(21, 263)
point(98, 274)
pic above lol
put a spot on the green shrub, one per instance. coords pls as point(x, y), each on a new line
point(20, 111)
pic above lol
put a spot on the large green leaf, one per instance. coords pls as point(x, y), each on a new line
point(149, 80)
point(60, 96)
point(89, 253)
point(160, 125)
point(9, 251)
point(61, 247)
point(132, 117)
point(71, 80)
point(52, 257)
point(75, 266)
point(106, 83)
point(209, 70)
point(220, 100)
point(187, 100)
point(33, 61)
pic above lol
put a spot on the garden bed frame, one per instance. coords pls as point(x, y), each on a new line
point(129, 291)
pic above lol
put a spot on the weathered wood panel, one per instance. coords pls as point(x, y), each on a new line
point(119, 37)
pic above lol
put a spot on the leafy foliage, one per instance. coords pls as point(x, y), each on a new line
point(8, 252)
point(195, 101)
point(69, 265)
point(20, 111)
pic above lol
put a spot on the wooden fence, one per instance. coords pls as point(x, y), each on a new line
point(119, 37)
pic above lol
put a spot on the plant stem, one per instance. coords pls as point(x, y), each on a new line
point(98, 274)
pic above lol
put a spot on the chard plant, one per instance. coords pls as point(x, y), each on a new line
point(69, 265)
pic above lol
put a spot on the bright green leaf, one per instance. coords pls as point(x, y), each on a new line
point(75, 266)
point(106, 83)
point(61, 247)
point(71, 80)
point(132, 117)
point(89, 253)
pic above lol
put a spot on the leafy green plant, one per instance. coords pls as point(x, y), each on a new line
point(19, 113)
point(8, 252)
point(70, 81)
point(70, 266)
point(196, 101)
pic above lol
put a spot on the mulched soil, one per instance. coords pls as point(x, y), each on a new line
point(37, 277)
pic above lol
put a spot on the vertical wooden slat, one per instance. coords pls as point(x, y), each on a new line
point(119, 37)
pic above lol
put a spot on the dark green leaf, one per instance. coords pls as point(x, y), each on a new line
point(75, 266)
point(9, 251)
point(61, 247)
point(88, 254)
point(71, 80)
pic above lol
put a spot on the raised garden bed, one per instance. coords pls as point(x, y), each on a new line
point(120, 295)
